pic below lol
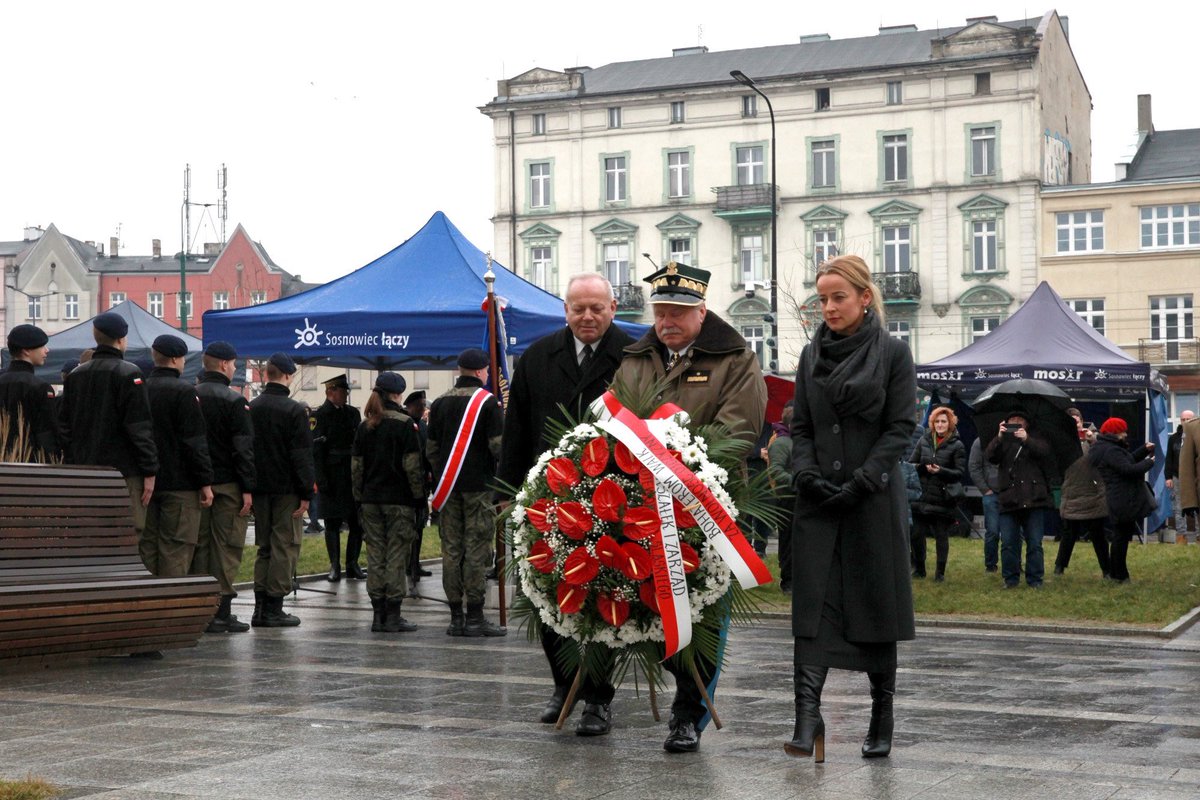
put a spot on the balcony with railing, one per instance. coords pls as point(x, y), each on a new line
point(743, 202)
point(898, 287)
point(1170, 353)
point(629, 299)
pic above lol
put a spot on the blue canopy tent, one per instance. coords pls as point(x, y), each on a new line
point(417, 306)
point(1045, 340)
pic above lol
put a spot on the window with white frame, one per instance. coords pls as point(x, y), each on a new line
point(680, 249)
point(755, 341)
point(901, 329)
point(539, 184)
point(750, 257)
point(115, 298)
point(1171, 318)
point(824, 164)
point(825, 245)
point(541, 265)
point(1090, 310)
point(895, 93)
point(220, 301)
point(749, 105)
point(983, 151)
point(70, 306)
point(1080, 231)
point(984, 246)
point(897, 248)
point(614, 117)
point(154, 304)
point(34, 307)
point(749, 165)
point(1175, 225)
point(187, 305)
point(258, 298)
point(677, 114)
point(538, 125)
point(982, 326)
point(679, 173)
point(895, 158)
point(616, 179)
point(822, 238)
point(616, 263)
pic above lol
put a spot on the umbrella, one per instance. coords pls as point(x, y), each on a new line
point(1043, 404)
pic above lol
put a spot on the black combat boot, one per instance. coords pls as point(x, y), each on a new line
point(333, 548)
point(260, 603)
point(274, 616)
point(379, 604)
point(225, 621)
point(458, 622)
point(394, 623)
point(808, 739)
point(878, 743)
point(479, 625)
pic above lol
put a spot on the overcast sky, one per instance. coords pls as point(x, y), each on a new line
point(345, 125)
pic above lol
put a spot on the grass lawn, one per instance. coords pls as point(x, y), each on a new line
point(1164, 585)
point(314, 560)
point(28, 789)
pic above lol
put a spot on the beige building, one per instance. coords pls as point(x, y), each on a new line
point(924, 151)
point(1126, 255)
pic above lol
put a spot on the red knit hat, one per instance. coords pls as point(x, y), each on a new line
point(1114, 426)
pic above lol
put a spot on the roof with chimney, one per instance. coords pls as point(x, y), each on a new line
point(1167, 154)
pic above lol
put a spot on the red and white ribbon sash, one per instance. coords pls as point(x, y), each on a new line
point(673, 479)
point(458, 451)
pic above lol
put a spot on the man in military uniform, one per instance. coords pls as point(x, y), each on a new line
point(335, 423)
point(28, 401)
point(283, 485)
point(705, 368)
point(462, 495)
point(231, 448)
point(106, 415)
point(557, 379)
point(415, 406)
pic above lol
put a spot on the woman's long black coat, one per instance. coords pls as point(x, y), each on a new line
point(877, 603)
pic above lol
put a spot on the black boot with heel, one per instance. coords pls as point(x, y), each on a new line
point(878, 743)
point(809, 737)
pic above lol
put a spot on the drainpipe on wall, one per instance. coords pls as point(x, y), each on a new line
point(512, 192)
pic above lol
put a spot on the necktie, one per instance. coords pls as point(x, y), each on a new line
point(588, 354)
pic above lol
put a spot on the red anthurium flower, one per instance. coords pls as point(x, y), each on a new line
point(640, 522)
point(541, 556)
point(537, 514)
point(648, 593)
point(612, 610)
point(608, 500)
point(691, 559)
point(561, 474)
point(635, 562)
point(609, 552)
point(683, 517)
point(595, 456)
point(625, 460)
point(580, 567)
point(573, 519)
point(570, 598)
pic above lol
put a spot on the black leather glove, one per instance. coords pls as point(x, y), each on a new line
point(849, 493)
point(812, 487)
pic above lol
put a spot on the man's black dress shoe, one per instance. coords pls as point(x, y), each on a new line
point(683, 738)
point(596, 720)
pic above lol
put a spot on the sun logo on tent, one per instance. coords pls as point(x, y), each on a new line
point(307, 336)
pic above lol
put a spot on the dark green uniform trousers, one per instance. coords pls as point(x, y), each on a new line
point(277, 536)
point(390, 531)
point(466, 526)
point(169, 538)
point(222, 537)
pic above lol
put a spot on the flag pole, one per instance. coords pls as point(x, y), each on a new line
point(489, 277)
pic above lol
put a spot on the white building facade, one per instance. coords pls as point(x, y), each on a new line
point(921, 151)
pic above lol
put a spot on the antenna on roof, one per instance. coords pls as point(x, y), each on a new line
point(222, 200)
point(699, 35)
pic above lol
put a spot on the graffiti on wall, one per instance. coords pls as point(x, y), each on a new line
point(1056, 159)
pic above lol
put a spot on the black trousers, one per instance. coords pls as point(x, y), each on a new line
point(1075, 529)
point(688, 705)
point(333, 539)
point(599, 692)
point(926, 525)
point(1121, 532)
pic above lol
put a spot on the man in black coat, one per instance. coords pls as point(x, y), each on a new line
point(283, 485)
point(185, 475)
point(1026, 463)
point(106, 415)
point(336, 422)
point(570, 368)
point(28, 398)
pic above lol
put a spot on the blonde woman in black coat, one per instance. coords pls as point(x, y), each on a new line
point(941, 459)
point(851, 590)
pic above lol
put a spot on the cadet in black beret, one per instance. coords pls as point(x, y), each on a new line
point(112, 325)
point(222, 351)
point(170, 346)
point(283, 362)
point(472, 358)
point(28, 398)
point(334, 426)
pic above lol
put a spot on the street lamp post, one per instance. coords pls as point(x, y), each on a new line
point(33, 318)
point(773, 340)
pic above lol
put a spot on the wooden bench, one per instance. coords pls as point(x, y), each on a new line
point(71, 581)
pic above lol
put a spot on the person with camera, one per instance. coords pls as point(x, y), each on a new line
point(940, 458)
point(1082, 506)
point(1026, 463)
point(1129, 499)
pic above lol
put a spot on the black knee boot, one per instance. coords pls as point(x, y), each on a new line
point(809, 737)
point(333, 547)
point(878, 743)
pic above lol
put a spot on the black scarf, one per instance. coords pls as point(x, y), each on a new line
point(850, 369)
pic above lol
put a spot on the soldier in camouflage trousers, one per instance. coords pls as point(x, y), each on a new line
point(466, 518)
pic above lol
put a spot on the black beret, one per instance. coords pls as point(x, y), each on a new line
point(283, 362)
point(145, 364)
point(472, 358)
point(416, 397)
point(69, 367)
point(170, 346)
point(391, 382)
point(111, 325)
point(337, 382)
point(221, 350)
point(26, 337)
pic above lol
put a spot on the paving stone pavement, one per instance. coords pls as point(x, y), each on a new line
point(329, 710)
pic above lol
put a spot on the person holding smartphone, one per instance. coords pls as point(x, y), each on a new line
point(1124, 476)
point(1025, 463)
